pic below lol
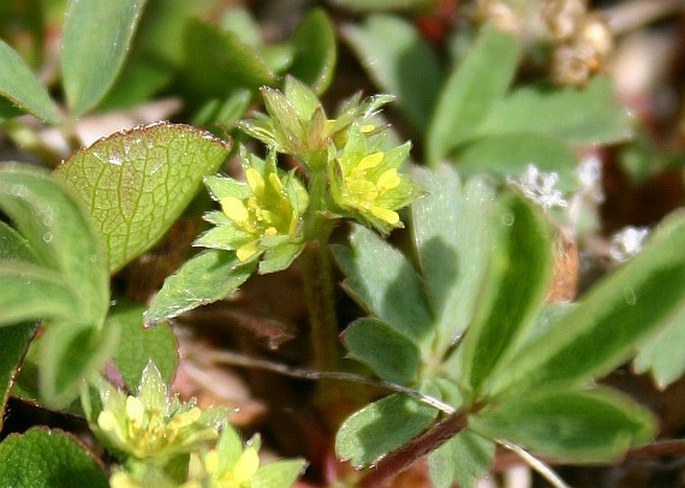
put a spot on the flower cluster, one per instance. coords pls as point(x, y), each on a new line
point(348, 171)
point(151, 425)
point(366, 184)
point(261, 216)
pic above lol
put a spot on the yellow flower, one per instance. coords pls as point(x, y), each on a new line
point(152, 425)
point(261, 216)
point(367, 184)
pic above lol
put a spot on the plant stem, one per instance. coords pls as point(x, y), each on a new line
point(400, 460)
point(317, 275)
point(319, 293)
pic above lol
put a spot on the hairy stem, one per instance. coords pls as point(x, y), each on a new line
point(319, 293)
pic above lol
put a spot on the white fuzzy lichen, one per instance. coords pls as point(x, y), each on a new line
point(539, 187)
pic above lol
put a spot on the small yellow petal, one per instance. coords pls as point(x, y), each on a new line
point(255, 181)
point(211, 462)
point(234, 209)
point(135, 410)
point(389, 180)
point(366, 128)
point(385, 214)
point(246, 466)
point(270, 231)
point(107, 421)
point(246, 251)
point(370, 161)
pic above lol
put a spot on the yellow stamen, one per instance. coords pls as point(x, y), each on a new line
point(385, 214)
point(234, 209)
point(255, 181)
point(389, 180)
point(370, 161)
point(270, 231)
point(366, 128)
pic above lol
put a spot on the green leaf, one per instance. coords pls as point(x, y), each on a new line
point(590, 426)
point(15, 341)
point(13, 245)
point(510, 154)
point(22, 88)
point(663, 354)
point(138, 345)
point(218, 62)
point(586, 116)
point(449, 227)
point(95, 40)
point(32, 292)
point(518, 273)
point(391, 355)
point(614, 317)
point(156, 51)
point(278, 473)
point(42, 458)
point(472, 90)
point(399, 62)
point(70, 353)
point(381, 427)
point(206, 278)
point(315, 51)
point(465, 458)
point(136, 183)
point(59, 233)
point(380, 278)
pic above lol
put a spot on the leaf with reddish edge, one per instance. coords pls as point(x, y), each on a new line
point(135, 183)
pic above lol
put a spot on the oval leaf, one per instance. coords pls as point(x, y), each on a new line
point(480, 80)
point(137, 182)
point(388, 353)
point(95, 41)
point(603, 330)
point(138, 345)
point(22, 88)
point(586, 116)
point(381, 279)
point(42, 458)
point(218, 62)
point(399, 62)
point(590, 426)
point(380, 428)
point(510, 154)
point(519, 270)
point(315, 51)
point(59, 233)
point(206, 278)
point(449, 226)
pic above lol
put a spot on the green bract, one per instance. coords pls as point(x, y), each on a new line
point(262, 215)
point(151, 425)
point(366, 184)
point(296, 123)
